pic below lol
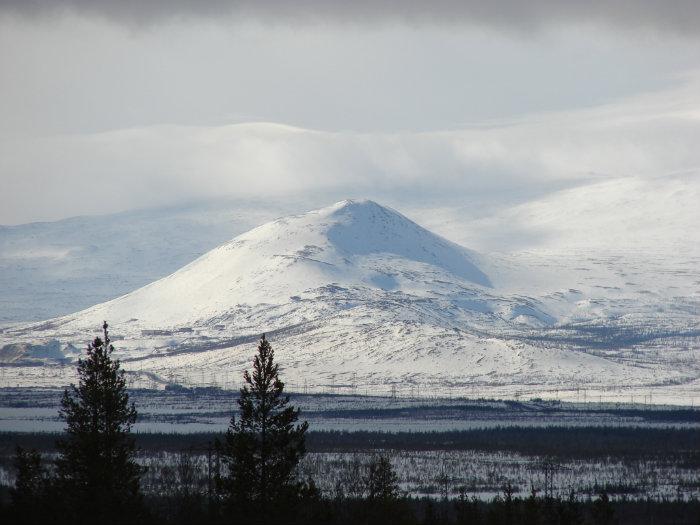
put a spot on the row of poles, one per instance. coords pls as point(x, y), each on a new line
point(153, 381)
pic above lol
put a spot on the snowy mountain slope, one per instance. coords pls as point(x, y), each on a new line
point(56, 268)
point(622, 214)
point(356, 293)
point(584, 237)
point(350, 244)
point(620, 251)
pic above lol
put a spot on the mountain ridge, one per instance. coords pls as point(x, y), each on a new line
point(285, 257)
point(358, 290)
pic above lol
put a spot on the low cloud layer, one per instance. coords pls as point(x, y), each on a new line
point(649, 136)
point(680, 16)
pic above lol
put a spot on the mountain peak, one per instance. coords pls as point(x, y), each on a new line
point(354, 244)
point(357, 206)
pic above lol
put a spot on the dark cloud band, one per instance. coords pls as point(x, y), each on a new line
point(679, 16)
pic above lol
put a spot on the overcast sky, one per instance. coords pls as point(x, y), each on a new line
point(107, 106)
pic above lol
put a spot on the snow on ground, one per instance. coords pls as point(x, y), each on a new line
point(209, 410)
point(356, 295)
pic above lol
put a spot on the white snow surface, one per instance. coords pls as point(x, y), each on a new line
point(350, 244)
point(357, 296)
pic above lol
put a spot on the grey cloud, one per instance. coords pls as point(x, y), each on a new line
point(680, 16)
point(649, 136)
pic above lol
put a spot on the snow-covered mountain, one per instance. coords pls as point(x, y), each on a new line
point(356, 295)
point(350, 244)
point(49, 269)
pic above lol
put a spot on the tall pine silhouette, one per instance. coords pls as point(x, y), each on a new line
point(97, 473)
point(263, 447)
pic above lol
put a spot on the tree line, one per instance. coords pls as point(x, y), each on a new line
point(96, 478)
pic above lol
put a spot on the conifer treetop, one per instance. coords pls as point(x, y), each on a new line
point(264, 444)
point(96, 464)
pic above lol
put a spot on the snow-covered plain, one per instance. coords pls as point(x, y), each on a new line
point(601, 296)
point(440, 473)
point(209, 410)
point(483, 475)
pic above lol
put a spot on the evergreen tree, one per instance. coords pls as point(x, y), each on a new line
point(430, 516)
point(385, 502)
point(570, 510)
point(382, 481)
point(468, 512)
point(510, 505)
point(97, 473)
point(263, 447)
point(603, 512)
point(29, 493)
point(531, 509)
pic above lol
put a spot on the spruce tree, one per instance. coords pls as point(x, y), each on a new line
point(263, 447)
point(384, 500)
point(29, 493)
point(382, 481)
point(603, 512)
point(96, 469)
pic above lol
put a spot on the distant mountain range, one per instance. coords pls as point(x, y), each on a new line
point(356, 295)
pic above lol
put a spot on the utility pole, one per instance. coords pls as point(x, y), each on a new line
point(550, 468)
point(209, 484)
